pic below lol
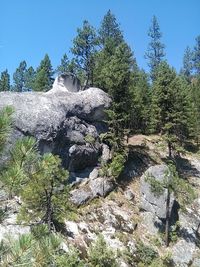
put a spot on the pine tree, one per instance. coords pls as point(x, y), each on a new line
point(169, 108)
point(22, 158)
point(140, 102)
point(155, 52)
point(196, 56)
point(41, 82)
point(5, 125)
point(110, 37)
point(109, 30)
point(117, 77)
point(84, 49)
point(44, 75)
point(193, 92)
point(29, 79)
point(40, 181)
point(19, 77)
point(45, 193)
point(5, 81)
point(64, 65)
point(38, 248)
point(187, 68)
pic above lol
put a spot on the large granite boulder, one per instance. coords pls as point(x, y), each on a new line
point(62, 120)
point(149, 201)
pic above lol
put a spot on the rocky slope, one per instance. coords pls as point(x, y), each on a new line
point(130, 215)
point(125, 212)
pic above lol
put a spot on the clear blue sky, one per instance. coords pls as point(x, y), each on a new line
point(31, 28)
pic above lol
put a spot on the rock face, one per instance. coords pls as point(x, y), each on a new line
point(62, 120)
point(65, 82)
point(9, 226)
point(94, 188)
point(182, 253)
point(150, 202)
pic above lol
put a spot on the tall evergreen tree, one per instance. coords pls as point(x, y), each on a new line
point(64, 65)
point(110, 37)
point(155, 52)
point(169, 107)
point(67, 66)
point(44, 75)
point(19, 77)
point(5, 81)
point(117, 74)
point(117, 78)
point(187, 68)
point(140, 102)
point(196, 56)
point(193, 93)
point(110, 31)
point(84, 48)
point(29, 79)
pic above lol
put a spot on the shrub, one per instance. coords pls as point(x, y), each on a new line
point(99, 255)
point(117, 164)
point(71, 259)
point(145, 254)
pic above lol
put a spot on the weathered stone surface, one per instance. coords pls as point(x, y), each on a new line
point(80, 196)
point(196, 262)
point(59, 119)
point(9, 226)
point(101, 186)
point(150, 202)
point(94, 188)
point(129, 195)
point(66, 82)
point(41, 114)
point(105, 153)
point(13, 230)
point(150, 223)
point(75, 131)
point(94, 174)
point(189, 222)
point(79, 176)
point(182, 253)
point(83, 156)
point(72, 228)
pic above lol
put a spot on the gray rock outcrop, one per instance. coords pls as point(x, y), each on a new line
point(149, 201)
point(183, 253)
point(94, 188)
point(62, 120)
point(66, 81)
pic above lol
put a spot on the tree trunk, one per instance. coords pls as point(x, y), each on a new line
point(167, 225)
point(48, 216)
point(169, 149)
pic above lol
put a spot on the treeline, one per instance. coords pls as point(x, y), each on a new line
point(161, 101)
